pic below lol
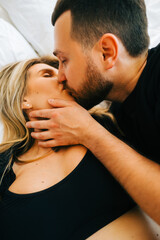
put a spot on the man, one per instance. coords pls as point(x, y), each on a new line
point(102, 47)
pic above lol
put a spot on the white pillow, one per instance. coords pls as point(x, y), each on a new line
point(33, 19)
point(13, 46)
point(4, 15)
point(153, 14)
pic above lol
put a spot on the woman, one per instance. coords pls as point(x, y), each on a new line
point(62, 193)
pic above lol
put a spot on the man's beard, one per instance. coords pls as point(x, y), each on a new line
point(95, 87)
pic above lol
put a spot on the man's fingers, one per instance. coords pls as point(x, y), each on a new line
point(43, 113)
point(42, 135)
point(41, 124)
point(49, 113)
point(49, 143)
point(60, 103)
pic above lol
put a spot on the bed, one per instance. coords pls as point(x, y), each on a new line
point(26, 32)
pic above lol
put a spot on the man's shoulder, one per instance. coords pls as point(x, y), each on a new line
point(154, 54)
point(151, 73)
point(155, 48)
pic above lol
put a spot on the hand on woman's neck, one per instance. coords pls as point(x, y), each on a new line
point(34, 152)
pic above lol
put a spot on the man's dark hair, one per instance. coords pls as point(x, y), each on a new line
point(92, 18)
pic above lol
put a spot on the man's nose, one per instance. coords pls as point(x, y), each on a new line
point(61, 76)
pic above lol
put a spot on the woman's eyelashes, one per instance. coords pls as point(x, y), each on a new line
point(48, 73)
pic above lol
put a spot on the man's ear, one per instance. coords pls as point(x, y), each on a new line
point(109, 48)
point(26, 104)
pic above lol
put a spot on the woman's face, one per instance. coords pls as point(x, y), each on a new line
point(42, 84)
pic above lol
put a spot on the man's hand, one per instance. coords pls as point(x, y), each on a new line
point(66, 124)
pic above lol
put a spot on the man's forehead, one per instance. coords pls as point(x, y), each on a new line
point(65, 17)
point(63, 23)
point(64, 43)
point(57, 52)
point(62, 38)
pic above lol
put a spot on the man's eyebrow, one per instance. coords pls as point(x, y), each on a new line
point(57, 53)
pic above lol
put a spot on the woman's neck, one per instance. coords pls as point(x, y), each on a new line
point(34, 152)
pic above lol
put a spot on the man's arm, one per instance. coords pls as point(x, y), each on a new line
point(137, 174)
point(71, 124)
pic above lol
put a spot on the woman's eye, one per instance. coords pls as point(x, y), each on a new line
point(46, 75)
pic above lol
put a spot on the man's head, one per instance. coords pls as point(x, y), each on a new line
point(81, 24)
point(93, 18)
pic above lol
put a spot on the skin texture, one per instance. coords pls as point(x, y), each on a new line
point(71, 124)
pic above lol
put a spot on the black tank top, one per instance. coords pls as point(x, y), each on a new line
point(83, 202)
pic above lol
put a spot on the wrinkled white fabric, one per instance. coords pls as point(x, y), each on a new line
point(13, 46)
point(4, 15)
point(153, 14)
point(32, 18)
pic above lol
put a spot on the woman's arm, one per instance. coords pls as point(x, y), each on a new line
point(132, 225)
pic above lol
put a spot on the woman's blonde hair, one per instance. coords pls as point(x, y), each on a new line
point(12, 88)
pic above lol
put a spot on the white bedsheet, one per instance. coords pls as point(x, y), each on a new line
point(153, 13)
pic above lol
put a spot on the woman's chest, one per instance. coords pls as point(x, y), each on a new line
point(39, 175)
point(36, 177)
